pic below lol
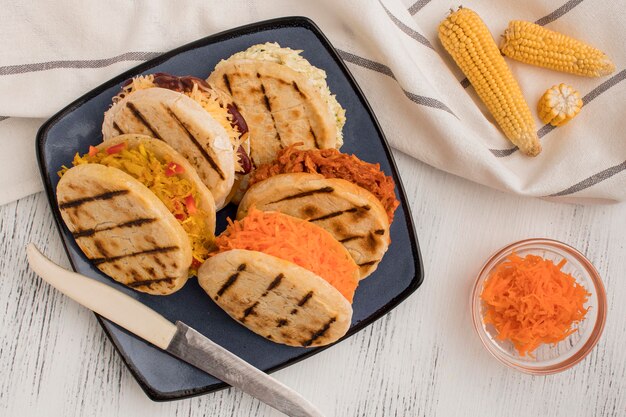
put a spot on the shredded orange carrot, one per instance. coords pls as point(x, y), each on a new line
point(293, 240)
point(530, 301)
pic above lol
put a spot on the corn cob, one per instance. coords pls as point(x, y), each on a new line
point(536, 45)
point(559, 104)
point(466, 37)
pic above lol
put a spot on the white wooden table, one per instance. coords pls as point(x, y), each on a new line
point(422, 359)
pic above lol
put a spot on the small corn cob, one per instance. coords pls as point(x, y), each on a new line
point(466, 37)
point(559, 104)
point(536, 45)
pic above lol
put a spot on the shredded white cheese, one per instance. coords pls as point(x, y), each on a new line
point(273, 52)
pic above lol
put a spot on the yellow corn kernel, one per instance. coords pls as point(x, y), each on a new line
point(559, 104)
point(536, 45)
point(468, 40)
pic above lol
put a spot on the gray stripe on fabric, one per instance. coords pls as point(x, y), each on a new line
point(558, 12)
point(417, 6)
point(588, 98)
point(80, 64)
point(366, 63)
point(404, 28)
point(383, 69)
point(592, 180)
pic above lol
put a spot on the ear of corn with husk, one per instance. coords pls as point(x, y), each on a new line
point(559, 104)
point(468, 40)
point(536, 45)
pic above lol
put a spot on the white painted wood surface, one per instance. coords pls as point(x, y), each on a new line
point(422, 359)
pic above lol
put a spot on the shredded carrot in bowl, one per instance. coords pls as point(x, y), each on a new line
point(530, 301)
point(294, 240)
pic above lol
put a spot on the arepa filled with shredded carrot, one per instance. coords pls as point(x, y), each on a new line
point(286, 279)
point(293, 240)
point(530, 301)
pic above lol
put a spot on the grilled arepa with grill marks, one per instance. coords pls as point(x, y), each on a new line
point(162, 181)
point(183, 124)
point(284, 278)
point(276, 299)
point(352, 215)
point(283, 98)
point(124, 229)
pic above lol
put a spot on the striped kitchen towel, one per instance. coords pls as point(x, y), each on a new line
point(53, 52)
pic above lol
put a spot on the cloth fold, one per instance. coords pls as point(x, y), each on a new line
point(53, 52)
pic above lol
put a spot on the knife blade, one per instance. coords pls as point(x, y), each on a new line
point(177, 339)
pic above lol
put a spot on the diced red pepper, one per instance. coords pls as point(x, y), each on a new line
point(116, 148)
point(191, 204)
point(195, 264)
point(93, 151)
point(173, 169)
point(178, 210)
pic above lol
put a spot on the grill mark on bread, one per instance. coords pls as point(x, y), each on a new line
point(164, 249)
point(159, 262)
point(275, 283)
point(149, 282)
point(350, 238)
point(317, 145)
point(117, 128)
point(227, 84)
point(338, 213)
point(379, 231)
point(372, 243)
point(100, 246)
point(133, 223)
point(193, 140)
point(334, 214)
point(309, 211)
point(281, 322)
point(305, 299)
point(268, 106)
point(319, 333)
point(230, 281)
point(369, 263)
point(295, 86)
point(323, 190)
point(98, 197)
point(142, 119)
point(248, 311)
point(361, 212)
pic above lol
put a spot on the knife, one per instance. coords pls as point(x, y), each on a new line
point(177, 339)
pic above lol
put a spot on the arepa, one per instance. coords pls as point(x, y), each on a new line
point(283, 98)
point(352, 215)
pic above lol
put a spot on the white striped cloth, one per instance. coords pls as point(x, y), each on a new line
point(53, 52)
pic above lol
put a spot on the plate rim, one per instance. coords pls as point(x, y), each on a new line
point(287, 21)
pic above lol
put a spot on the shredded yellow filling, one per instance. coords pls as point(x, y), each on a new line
point(172, 189)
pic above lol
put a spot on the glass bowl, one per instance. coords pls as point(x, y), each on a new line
point(548, 358)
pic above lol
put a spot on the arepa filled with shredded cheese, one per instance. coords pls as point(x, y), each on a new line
point(284, 98)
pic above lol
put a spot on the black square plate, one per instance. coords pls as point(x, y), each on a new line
point(74, 128)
